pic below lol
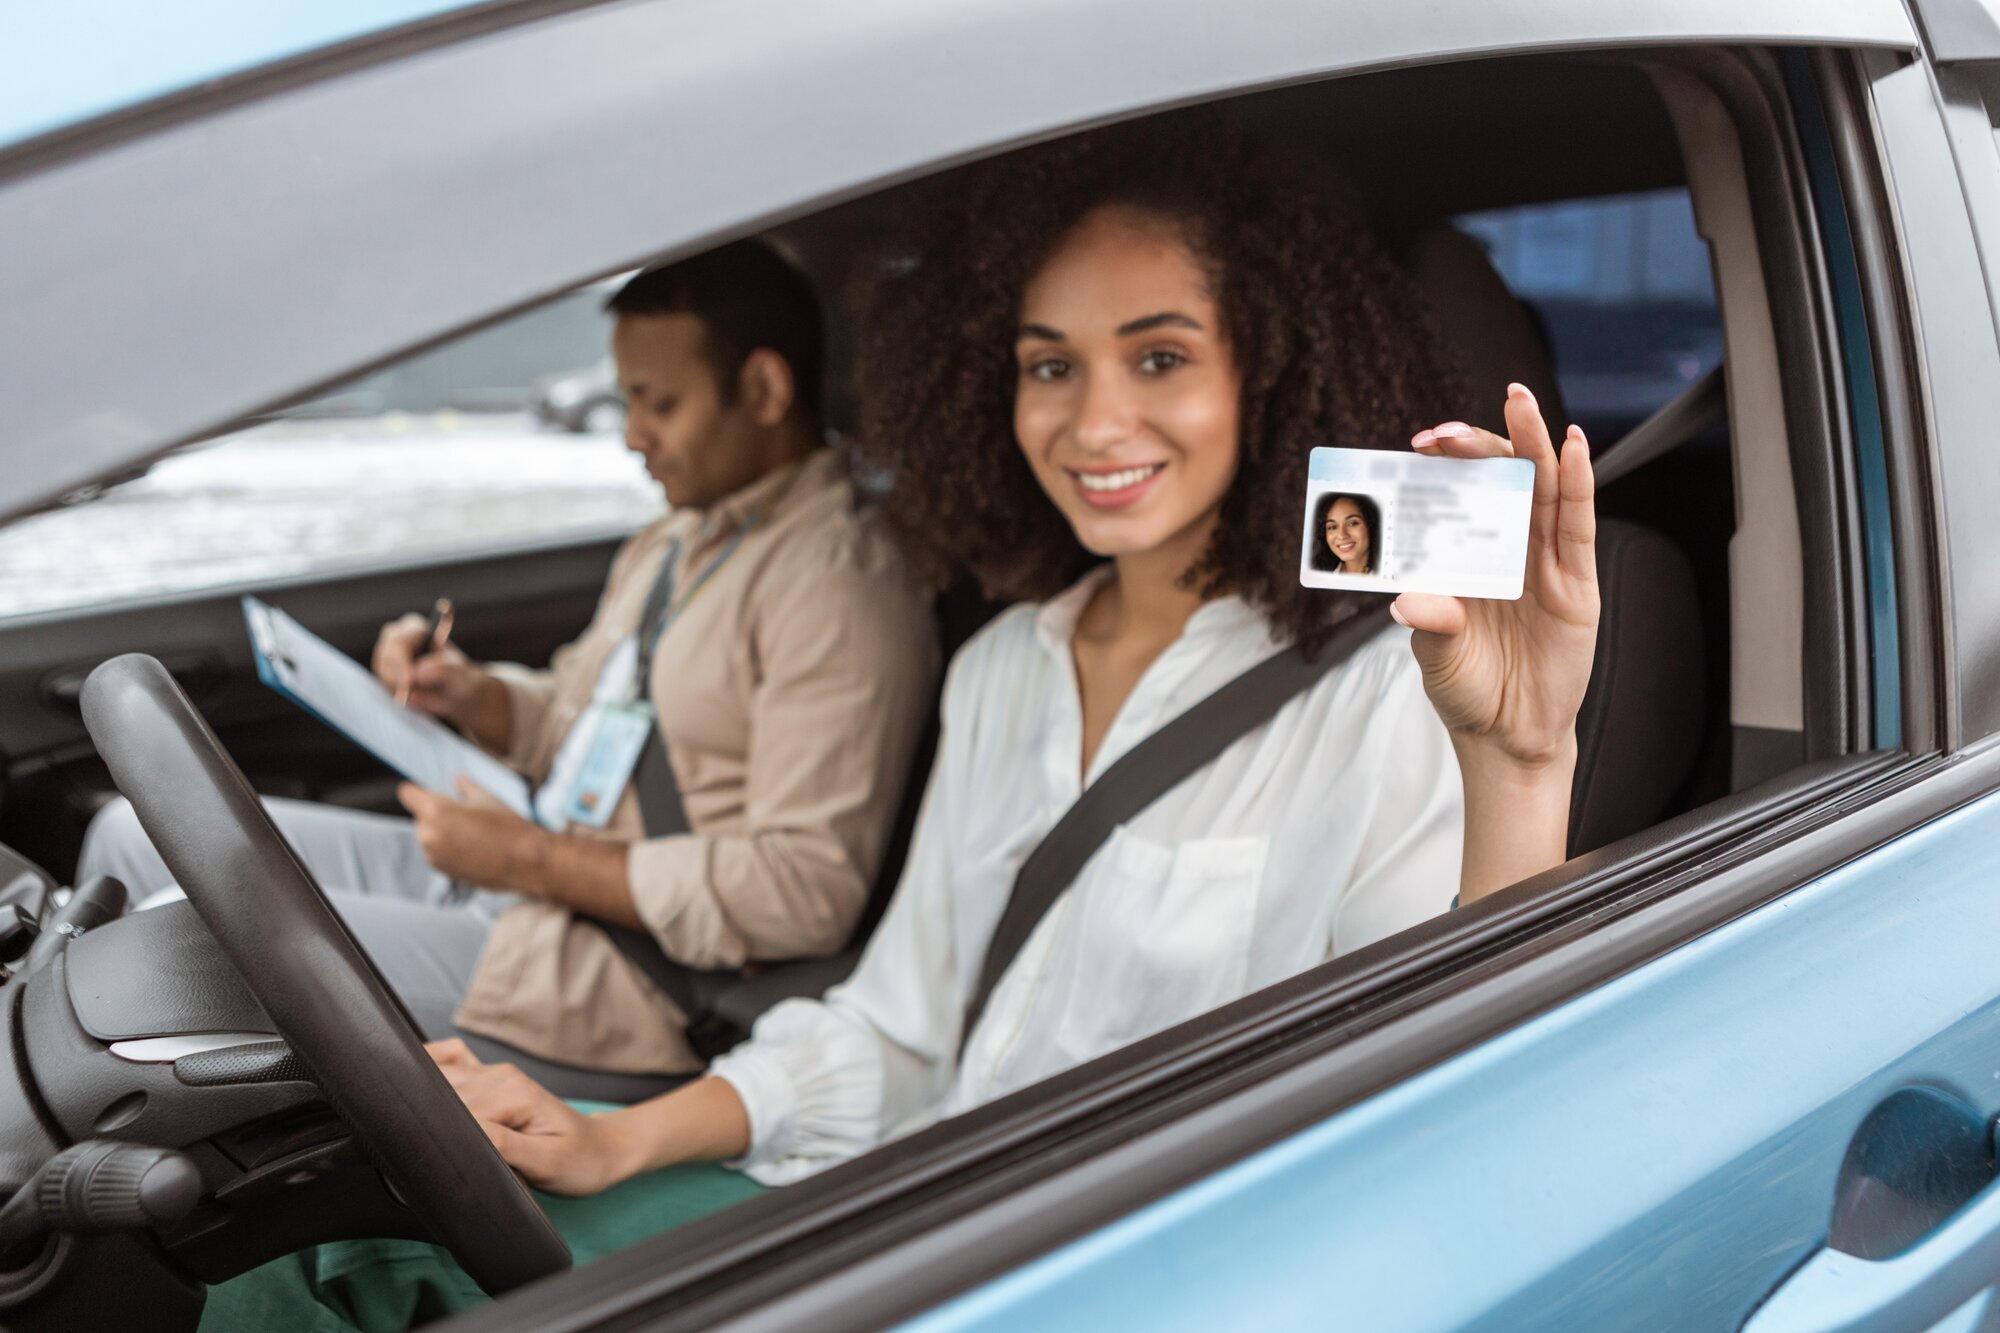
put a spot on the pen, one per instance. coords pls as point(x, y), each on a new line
point(437, 633)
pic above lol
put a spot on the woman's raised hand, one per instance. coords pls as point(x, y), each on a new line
point(1508, 677)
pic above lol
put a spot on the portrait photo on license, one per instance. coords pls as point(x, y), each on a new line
point(1379, 521)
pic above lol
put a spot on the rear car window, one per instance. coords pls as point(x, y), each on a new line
point(1623, 291)
point(506, 438)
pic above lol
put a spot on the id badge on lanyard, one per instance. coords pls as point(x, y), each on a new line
point(621, 718)
point(619, 732)
point(597, 758)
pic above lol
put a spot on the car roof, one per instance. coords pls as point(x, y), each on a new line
point(64, 64)
point(219, 252)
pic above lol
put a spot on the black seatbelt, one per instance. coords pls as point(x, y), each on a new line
point(694, 992)
point(660, 807)
point(1141, 776)
point(662, 814)
point(1700, 407)
point(1148, 771)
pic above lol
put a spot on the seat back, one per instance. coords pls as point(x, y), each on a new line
point(1641, 726)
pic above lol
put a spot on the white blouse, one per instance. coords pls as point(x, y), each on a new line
point(1336, 824)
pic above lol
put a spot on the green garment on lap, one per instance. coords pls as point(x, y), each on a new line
point(386, 1286)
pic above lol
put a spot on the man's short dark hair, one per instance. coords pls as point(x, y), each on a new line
point(746, 296)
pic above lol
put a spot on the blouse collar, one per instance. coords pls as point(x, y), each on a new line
point(1055, 622)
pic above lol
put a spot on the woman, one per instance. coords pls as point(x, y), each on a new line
point(1145, 327)
point(1097, 387)
point(1347, 525)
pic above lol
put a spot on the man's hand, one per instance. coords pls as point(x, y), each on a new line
point(483, 845)
point(478, 842)
point(445, 683)
point(554, 1146)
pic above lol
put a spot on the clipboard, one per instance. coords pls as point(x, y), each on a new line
point(343, 694)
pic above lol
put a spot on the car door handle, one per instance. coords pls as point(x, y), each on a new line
point(1913, 1290)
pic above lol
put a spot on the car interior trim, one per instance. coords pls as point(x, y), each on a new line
point(587, 541)
point(534, 585)
point(166, 1050)
point(1766, 566)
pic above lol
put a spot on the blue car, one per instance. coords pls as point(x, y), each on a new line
point(1736, 1065)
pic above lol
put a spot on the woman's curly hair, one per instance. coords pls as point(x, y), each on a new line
point(1331, 338)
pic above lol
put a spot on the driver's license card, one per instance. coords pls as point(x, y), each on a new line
point(1385, 521)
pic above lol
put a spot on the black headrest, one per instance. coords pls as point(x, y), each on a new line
point(1645, 713)
point(1494, 338)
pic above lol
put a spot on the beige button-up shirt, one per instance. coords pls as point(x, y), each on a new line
point(791, 692)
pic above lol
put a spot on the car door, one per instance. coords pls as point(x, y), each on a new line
point(1703, 1080)
point(1785, 1120)
point(1623, 1092)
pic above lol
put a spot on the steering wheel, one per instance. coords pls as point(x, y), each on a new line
point(275, 926)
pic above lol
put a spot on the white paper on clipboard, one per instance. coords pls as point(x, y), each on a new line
point(345, 695)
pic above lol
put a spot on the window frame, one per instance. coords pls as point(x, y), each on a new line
point(884, 1237)
point(1928, 153)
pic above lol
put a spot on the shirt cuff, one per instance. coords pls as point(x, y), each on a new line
point(770, 1104)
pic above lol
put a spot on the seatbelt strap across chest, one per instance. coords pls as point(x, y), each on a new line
point(1148, 771)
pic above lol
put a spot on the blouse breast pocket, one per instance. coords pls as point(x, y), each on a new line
point(1163, 934)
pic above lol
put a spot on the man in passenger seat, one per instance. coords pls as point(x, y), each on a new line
point(790, 662)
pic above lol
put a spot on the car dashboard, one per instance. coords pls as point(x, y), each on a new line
point(157, 1132)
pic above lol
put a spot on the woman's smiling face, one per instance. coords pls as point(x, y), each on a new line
point(1127, 396)
point(1347, 534)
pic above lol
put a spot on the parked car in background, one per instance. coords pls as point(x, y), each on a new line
point(585, 401)
point(1735, 1065)
point(503, 368)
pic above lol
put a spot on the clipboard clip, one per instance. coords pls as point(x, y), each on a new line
point(273, 646)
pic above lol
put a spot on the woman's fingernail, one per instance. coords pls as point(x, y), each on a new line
point(1422, 438)
point(1520, 390)
point(1453, 430)
point(1396, 613)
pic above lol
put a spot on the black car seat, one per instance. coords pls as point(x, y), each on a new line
point(1644, 717)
